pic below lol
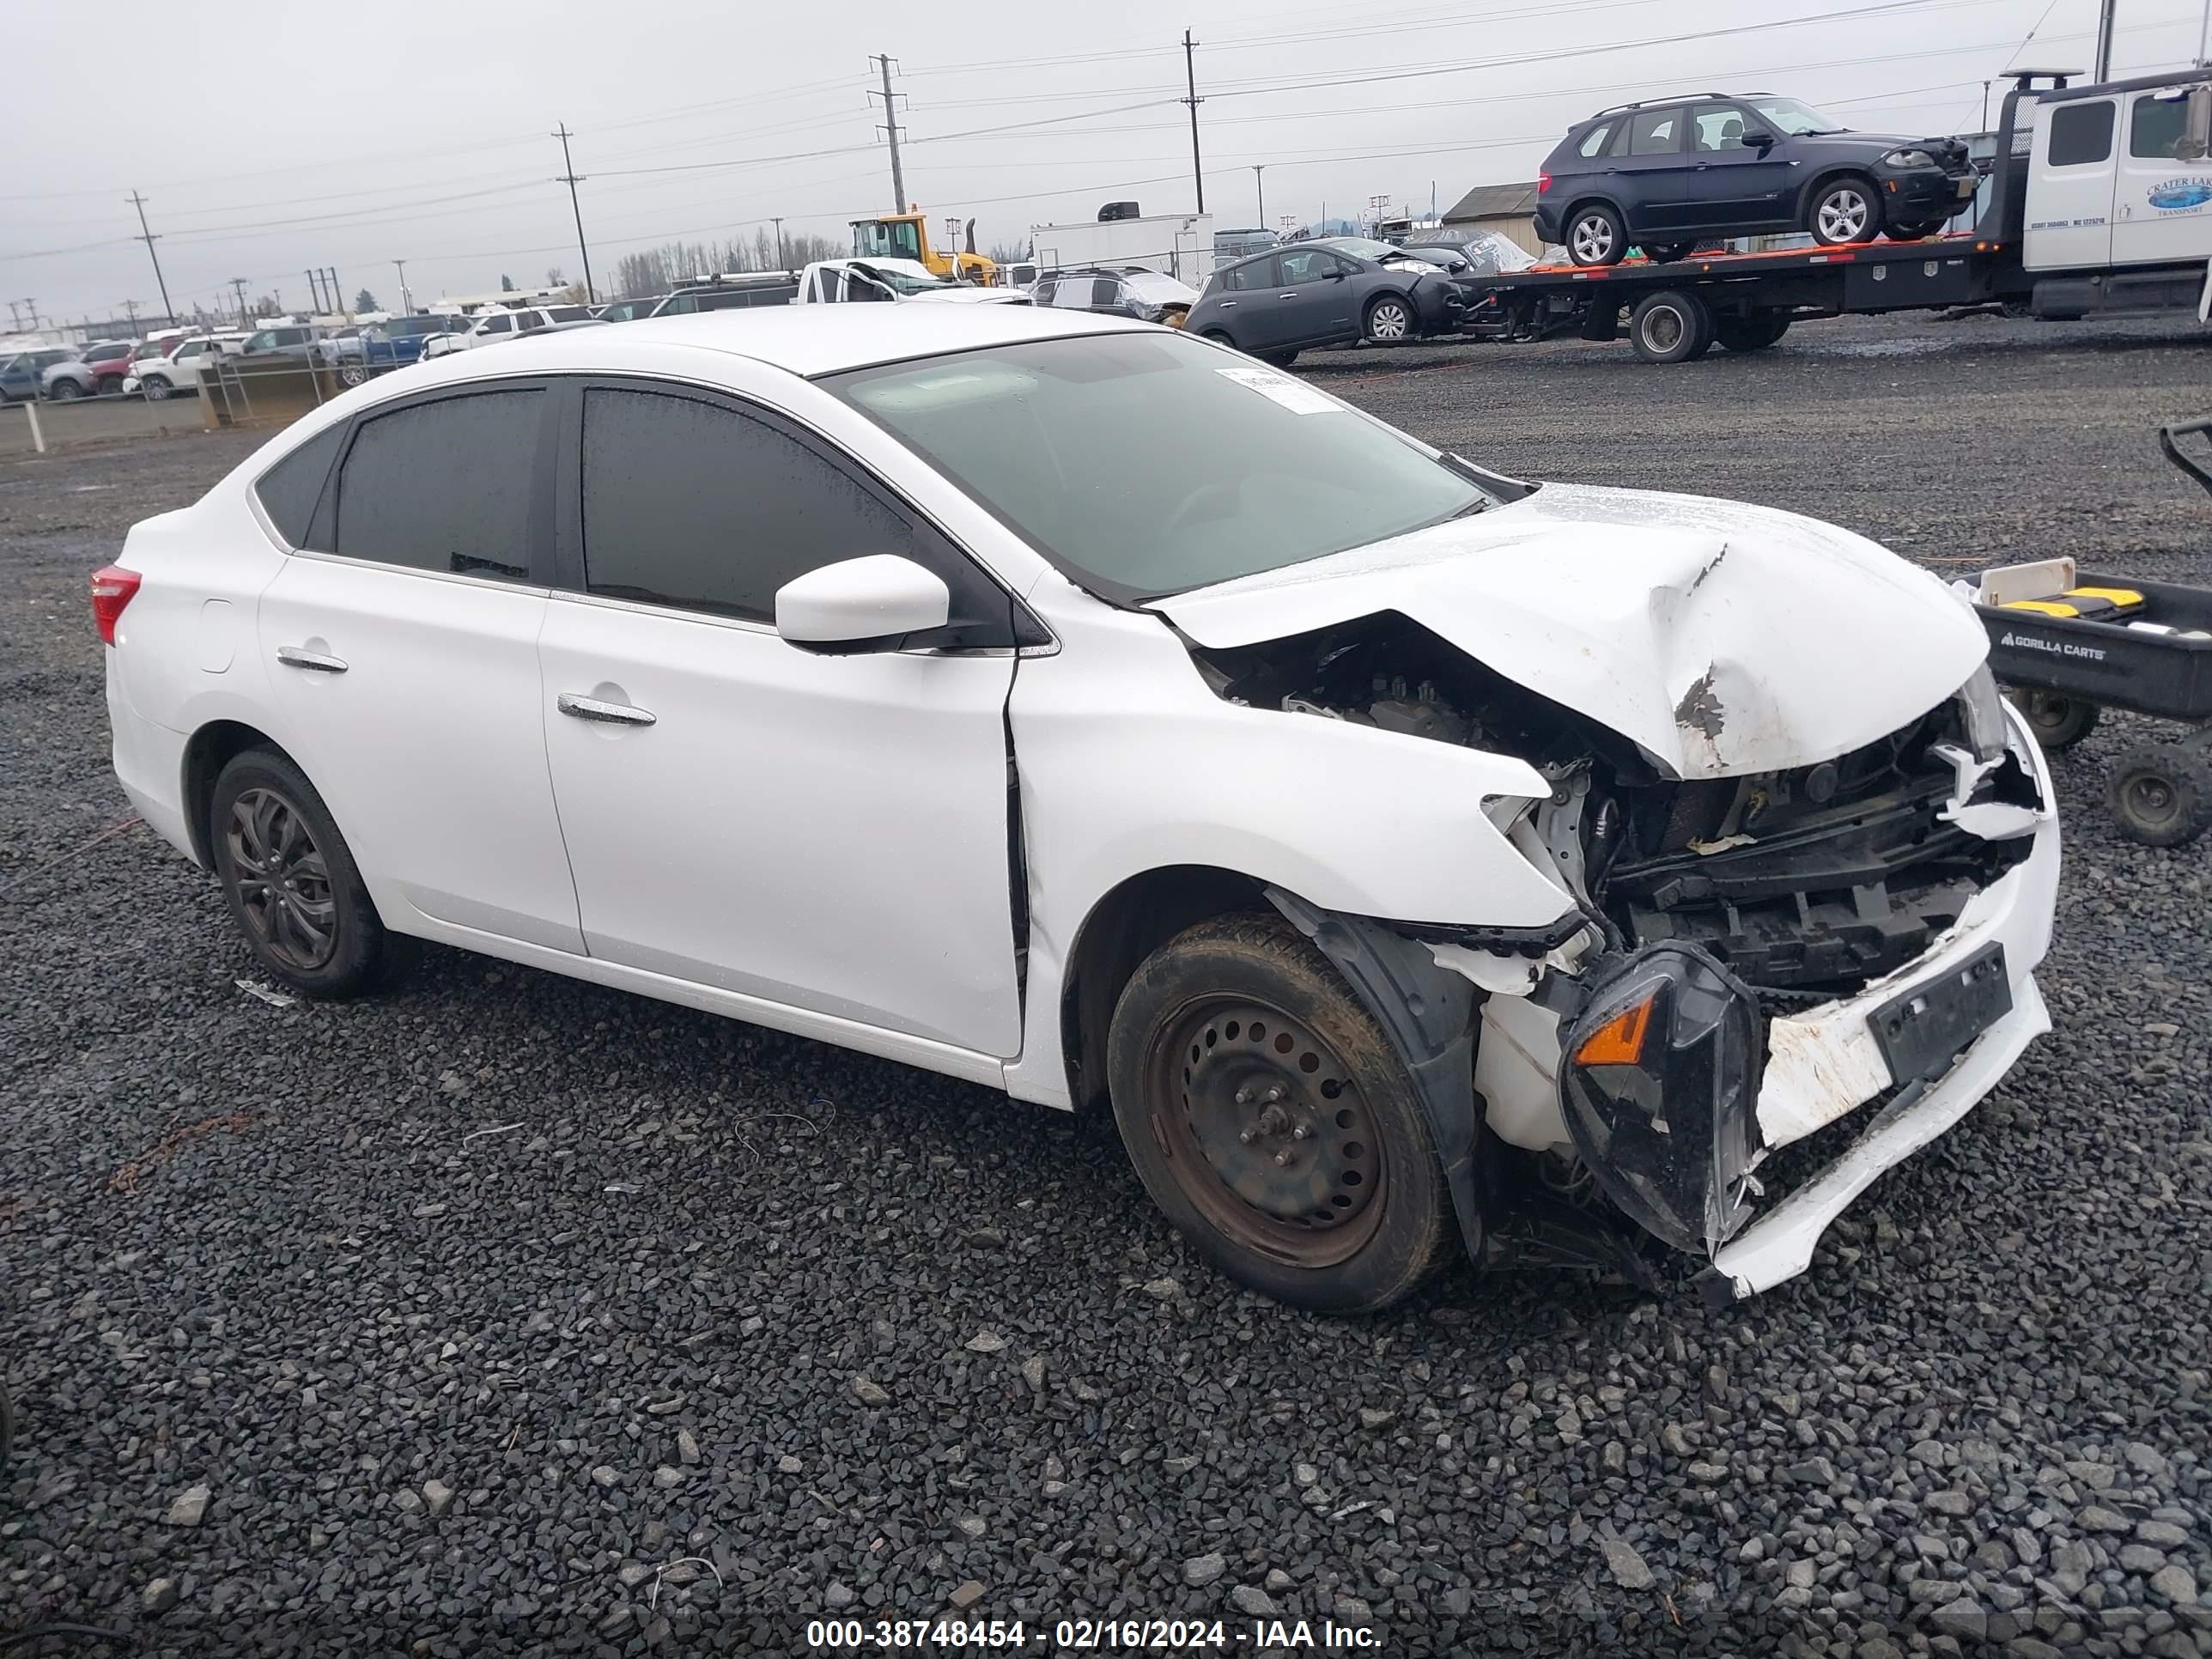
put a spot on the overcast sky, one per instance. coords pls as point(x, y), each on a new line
point(270, 137)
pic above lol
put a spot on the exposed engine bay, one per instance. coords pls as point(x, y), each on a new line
point(1804, 883)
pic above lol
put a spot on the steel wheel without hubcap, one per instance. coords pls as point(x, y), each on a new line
point(284, 882)
point(1389, 320)
point(1844, 215)
point(1266, 1133)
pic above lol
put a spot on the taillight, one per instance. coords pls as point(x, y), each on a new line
point(112, 587)
point(1543, 184)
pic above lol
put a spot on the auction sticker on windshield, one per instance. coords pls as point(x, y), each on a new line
point(1294, 395)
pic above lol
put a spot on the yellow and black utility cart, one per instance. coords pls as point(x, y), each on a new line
point(2070, 643)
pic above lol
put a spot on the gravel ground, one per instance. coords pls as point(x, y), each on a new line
point(509, 1313)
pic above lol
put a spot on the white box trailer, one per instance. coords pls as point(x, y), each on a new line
point(1179, 243)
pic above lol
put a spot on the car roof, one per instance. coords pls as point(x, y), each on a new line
point(802, 340)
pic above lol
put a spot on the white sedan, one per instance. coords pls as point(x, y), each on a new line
point(1407, 853)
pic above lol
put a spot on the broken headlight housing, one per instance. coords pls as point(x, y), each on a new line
point(1659, 1082)
point(1981, 707)
point(1910, 156)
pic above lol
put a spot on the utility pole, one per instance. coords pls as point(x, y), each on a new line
point(2104, 72)
point(2204, 35)
point(406, 301)
point(1190, 84)
point(239, 283)
point(314, 291)
point(149, 239)
point(569, 177)
point(1260, 191)
point(777, 221)
point(891, 131)
point(130, 310)
point(33, 305)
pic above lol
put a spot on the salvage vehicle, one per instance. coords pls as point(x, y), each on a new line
point(1667, 172)
point(2100, 205)
point(1150, 296)
point(843, 282)
point(1337, 290)
point(1405, 854)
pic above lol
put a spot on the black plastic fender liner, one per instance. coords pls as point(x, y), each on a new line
point(1428, 1013)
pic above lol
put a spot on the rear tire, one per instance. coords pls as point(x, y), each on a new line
point(66, 392)
point(1596, 236)
point(292, 884)
point(1754, 333)
point(2058, 722)
point(1271, 1120)
point(1845, 212)
point(1670, 327)
point(1278, 359)
point(2161, 793)
point(108, 386)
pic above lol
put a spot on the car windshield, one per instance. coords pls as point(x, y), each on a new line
point(1435, 255)
point(408, 327)
point(1791, 116)
point(570, 313)
point(1145, 466)
point(906, 281)
point(1359, 247)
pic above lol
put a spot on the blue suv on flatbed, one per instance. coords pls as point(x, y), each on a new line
point(1668, 173)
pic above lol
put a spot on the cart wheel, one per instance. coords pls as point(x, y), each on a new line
point(2161, 793)
point(2057, 722)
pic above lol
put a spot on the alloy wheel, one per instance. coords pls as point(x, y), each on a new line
point(283, 881)
point(1844, 214)
point(1591, 239)
point(1266, 1133)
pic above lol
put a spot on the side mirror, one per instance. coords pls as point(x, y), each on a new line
point(860, 605)
point(1335, 275)
point(2196, 126)
point(1759, 139)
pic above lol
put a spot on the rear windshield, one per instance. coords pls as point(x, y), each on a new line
point(1148, 464)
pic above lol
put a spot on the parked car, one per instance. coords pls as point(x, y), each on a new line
point(629, 311)
point(1336, 290)
point(1660, 833)
point(396, 342)
point(341, 344)
point(301, 340)
point(738, 291)
point(1487, 253)
point(1664, 174)
point(177, 370)
point(98, 370)
point(498, 323)
point(1150, 296)
point(22, 376)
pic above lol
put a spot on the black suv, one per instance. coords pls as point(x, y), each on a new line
point(1666, 173)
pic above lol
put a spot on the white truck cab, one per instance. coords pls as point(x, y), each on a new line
point(2119, 174)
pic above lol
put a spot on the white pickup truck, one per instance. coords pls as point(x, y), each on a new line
point(833, 281)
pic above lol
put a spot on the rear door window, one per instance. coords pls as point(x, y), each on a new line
point(1594, 140)
point(2082, 133)
point(444, 486)
point(1253, 274)
point(1654, 132)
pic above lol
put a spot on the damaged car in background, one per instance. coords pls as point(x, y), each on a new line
point(1410, 857)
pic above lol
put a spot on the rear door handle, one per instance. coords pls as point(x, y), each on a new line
point(604, 714)
point(314, 661)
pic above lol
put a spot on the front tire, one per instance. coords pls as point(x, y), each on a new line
point(1669, 253)
point(1596, 236)
point(1915, 230)
point(1845, 212)
point(109, 385)
point(155, 388)
point(66, 392)
point(1271, 1120)
point(1389, 320)
point(291, 882)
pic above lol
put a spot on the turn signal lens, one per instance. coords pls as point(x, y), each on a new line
point(1619, 1041)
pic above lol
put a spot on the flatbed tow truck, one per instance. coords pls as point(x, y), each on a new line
point(2119, 221)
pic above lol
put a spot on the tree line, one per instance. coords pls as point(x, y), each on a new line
point(657, 270)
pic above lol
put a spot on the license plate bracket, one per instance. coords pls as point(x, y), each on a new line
point(1921, 1032)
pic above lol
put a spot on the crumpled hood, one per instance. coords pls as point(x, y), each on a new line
point(1725, 639)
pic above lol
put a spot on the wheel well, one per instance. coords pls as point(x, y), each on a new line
point(209, 749)
point(1821, 181)
point(1567, 218)
point(1124, 927)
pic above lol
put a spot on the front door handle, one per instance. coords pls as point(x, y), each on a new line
point(605, 714)
point(313, 661)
